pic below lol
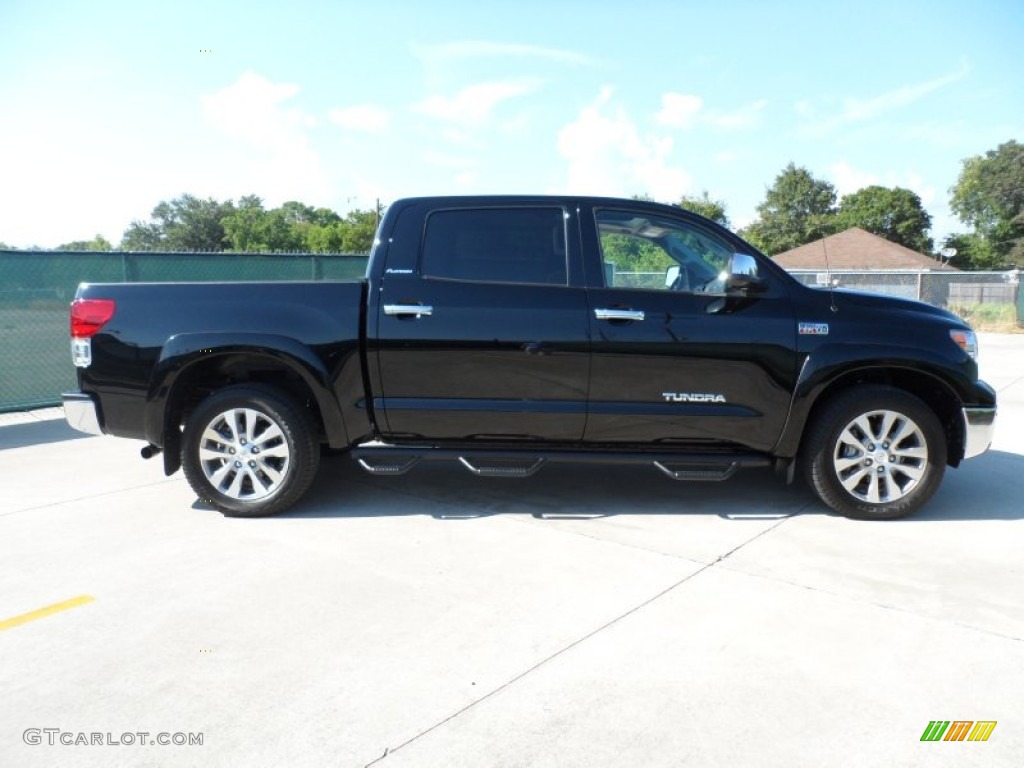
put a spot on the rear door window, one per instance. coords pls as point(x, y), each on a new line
point(496, 245)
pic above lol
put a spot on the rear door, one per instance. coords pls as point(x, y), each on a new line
point(675, 359)
point(481, 325)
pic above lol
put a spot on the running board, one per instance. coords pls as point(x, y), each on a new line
point(707, 473)
point(388, 466)
point(484, 467)
point(384, 459)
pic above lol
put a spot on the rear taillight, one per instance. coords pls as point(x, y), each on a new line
point(89, 315)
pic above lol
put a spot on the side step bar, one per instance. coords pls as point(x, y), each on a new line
point(382, 459)
point(484, 467)
point(705, 473)
point(388, 465)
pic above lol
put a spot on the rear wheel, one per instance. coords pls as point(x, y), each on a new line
point(249, 450)
point(875, 453)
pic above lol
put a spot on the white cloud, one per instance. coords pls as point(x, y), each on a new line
point(925, 191)
point(442, 160)
point(465, 139)
point(865, 109)
point(86, 182)
point(475, 103)
point(679, 110)
point(367, 118)
point(848, 179)
point(367, 193)
point(252, 111)
point(606, 154)
point(743, 117)
point(860, 110)
point(742, 222)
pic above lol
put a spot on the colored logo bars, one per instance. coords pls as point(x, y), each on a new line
point(958, 730)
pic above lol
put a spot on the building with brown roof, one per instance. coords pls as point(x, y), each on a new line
point(857, 249)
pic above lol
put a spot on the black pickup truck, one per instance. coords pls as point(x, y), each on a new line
point(505, 332)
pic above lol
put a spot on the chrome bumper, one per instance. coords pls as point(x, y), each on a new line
point(81, 413)
point(979, 427)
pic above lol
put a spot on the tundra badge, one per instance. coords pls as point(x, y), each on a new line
point(693, 397)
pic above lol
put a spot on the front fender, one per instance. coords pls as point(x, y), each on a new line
point(829, 363)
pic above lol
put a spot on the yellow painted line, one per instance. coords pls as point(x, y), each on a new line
point(47, 611)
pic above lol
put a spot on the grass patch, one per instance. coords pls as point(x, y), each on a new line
point(994, 318)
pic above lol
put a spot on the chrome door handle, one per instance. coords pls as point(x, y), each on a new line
point(408, 309)
point(619, 314)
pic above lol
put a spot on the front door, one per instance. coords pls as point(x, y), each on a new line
point(675, 359)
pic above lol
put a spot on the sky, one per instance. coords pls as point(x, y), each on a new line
point(107, 108)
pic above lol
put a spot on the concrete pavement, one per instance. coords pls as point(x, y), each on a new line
point(582, 617)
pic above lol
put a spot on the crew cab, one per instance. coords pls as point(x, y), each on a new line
point(507, 332)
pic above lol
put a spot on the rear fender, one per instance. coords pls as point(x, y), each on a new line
point(184, 351)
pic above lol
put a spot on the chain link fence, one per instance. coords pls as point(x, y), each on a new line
point(950, 290)
point(37, 286)
point(647, 280)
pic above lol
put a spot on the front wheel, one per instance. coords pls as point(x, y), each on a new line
point(874, 453)
point(249, 450)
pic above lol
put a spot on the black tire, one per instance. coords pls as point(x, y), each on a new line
point(893, 479)
point(240, 476)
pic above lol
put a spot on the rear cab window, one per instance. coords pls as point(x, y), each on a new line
point(496, 245)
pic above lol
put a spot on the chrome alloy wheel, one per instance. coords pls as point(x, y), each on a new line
point(880, 456)
point(244, 454)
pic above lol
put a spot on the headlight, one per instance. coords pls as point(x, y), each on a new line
point(967, 341)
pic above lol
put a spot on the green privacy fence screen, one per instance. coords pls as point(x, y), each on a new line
point(36, 287)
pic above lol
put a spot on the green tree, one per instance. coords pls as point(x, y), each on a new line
point(283, 231)
point(329, 238)
point(989, 197)
point(270, 231)
point(360, 229)
point(310, 227)
point(98, 243)
point(706, 207)
point(353, 234)
point(186, 223)
point(244, 226)
point(293, 226)
point(972, 252)
point(143, 236)
point(895, 214)
point(634, 254)
point(797, 209)
point(191, 224)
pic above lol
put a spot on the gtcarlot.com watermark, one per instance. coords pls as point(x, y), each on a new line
point(55, 736)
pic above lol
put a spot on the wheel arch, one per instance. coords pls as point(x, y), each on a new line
point(192, 368)
point(935, 393)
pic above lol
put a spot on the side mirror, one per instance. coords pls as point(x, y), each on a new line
point(741, 275)
point(671, 275)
